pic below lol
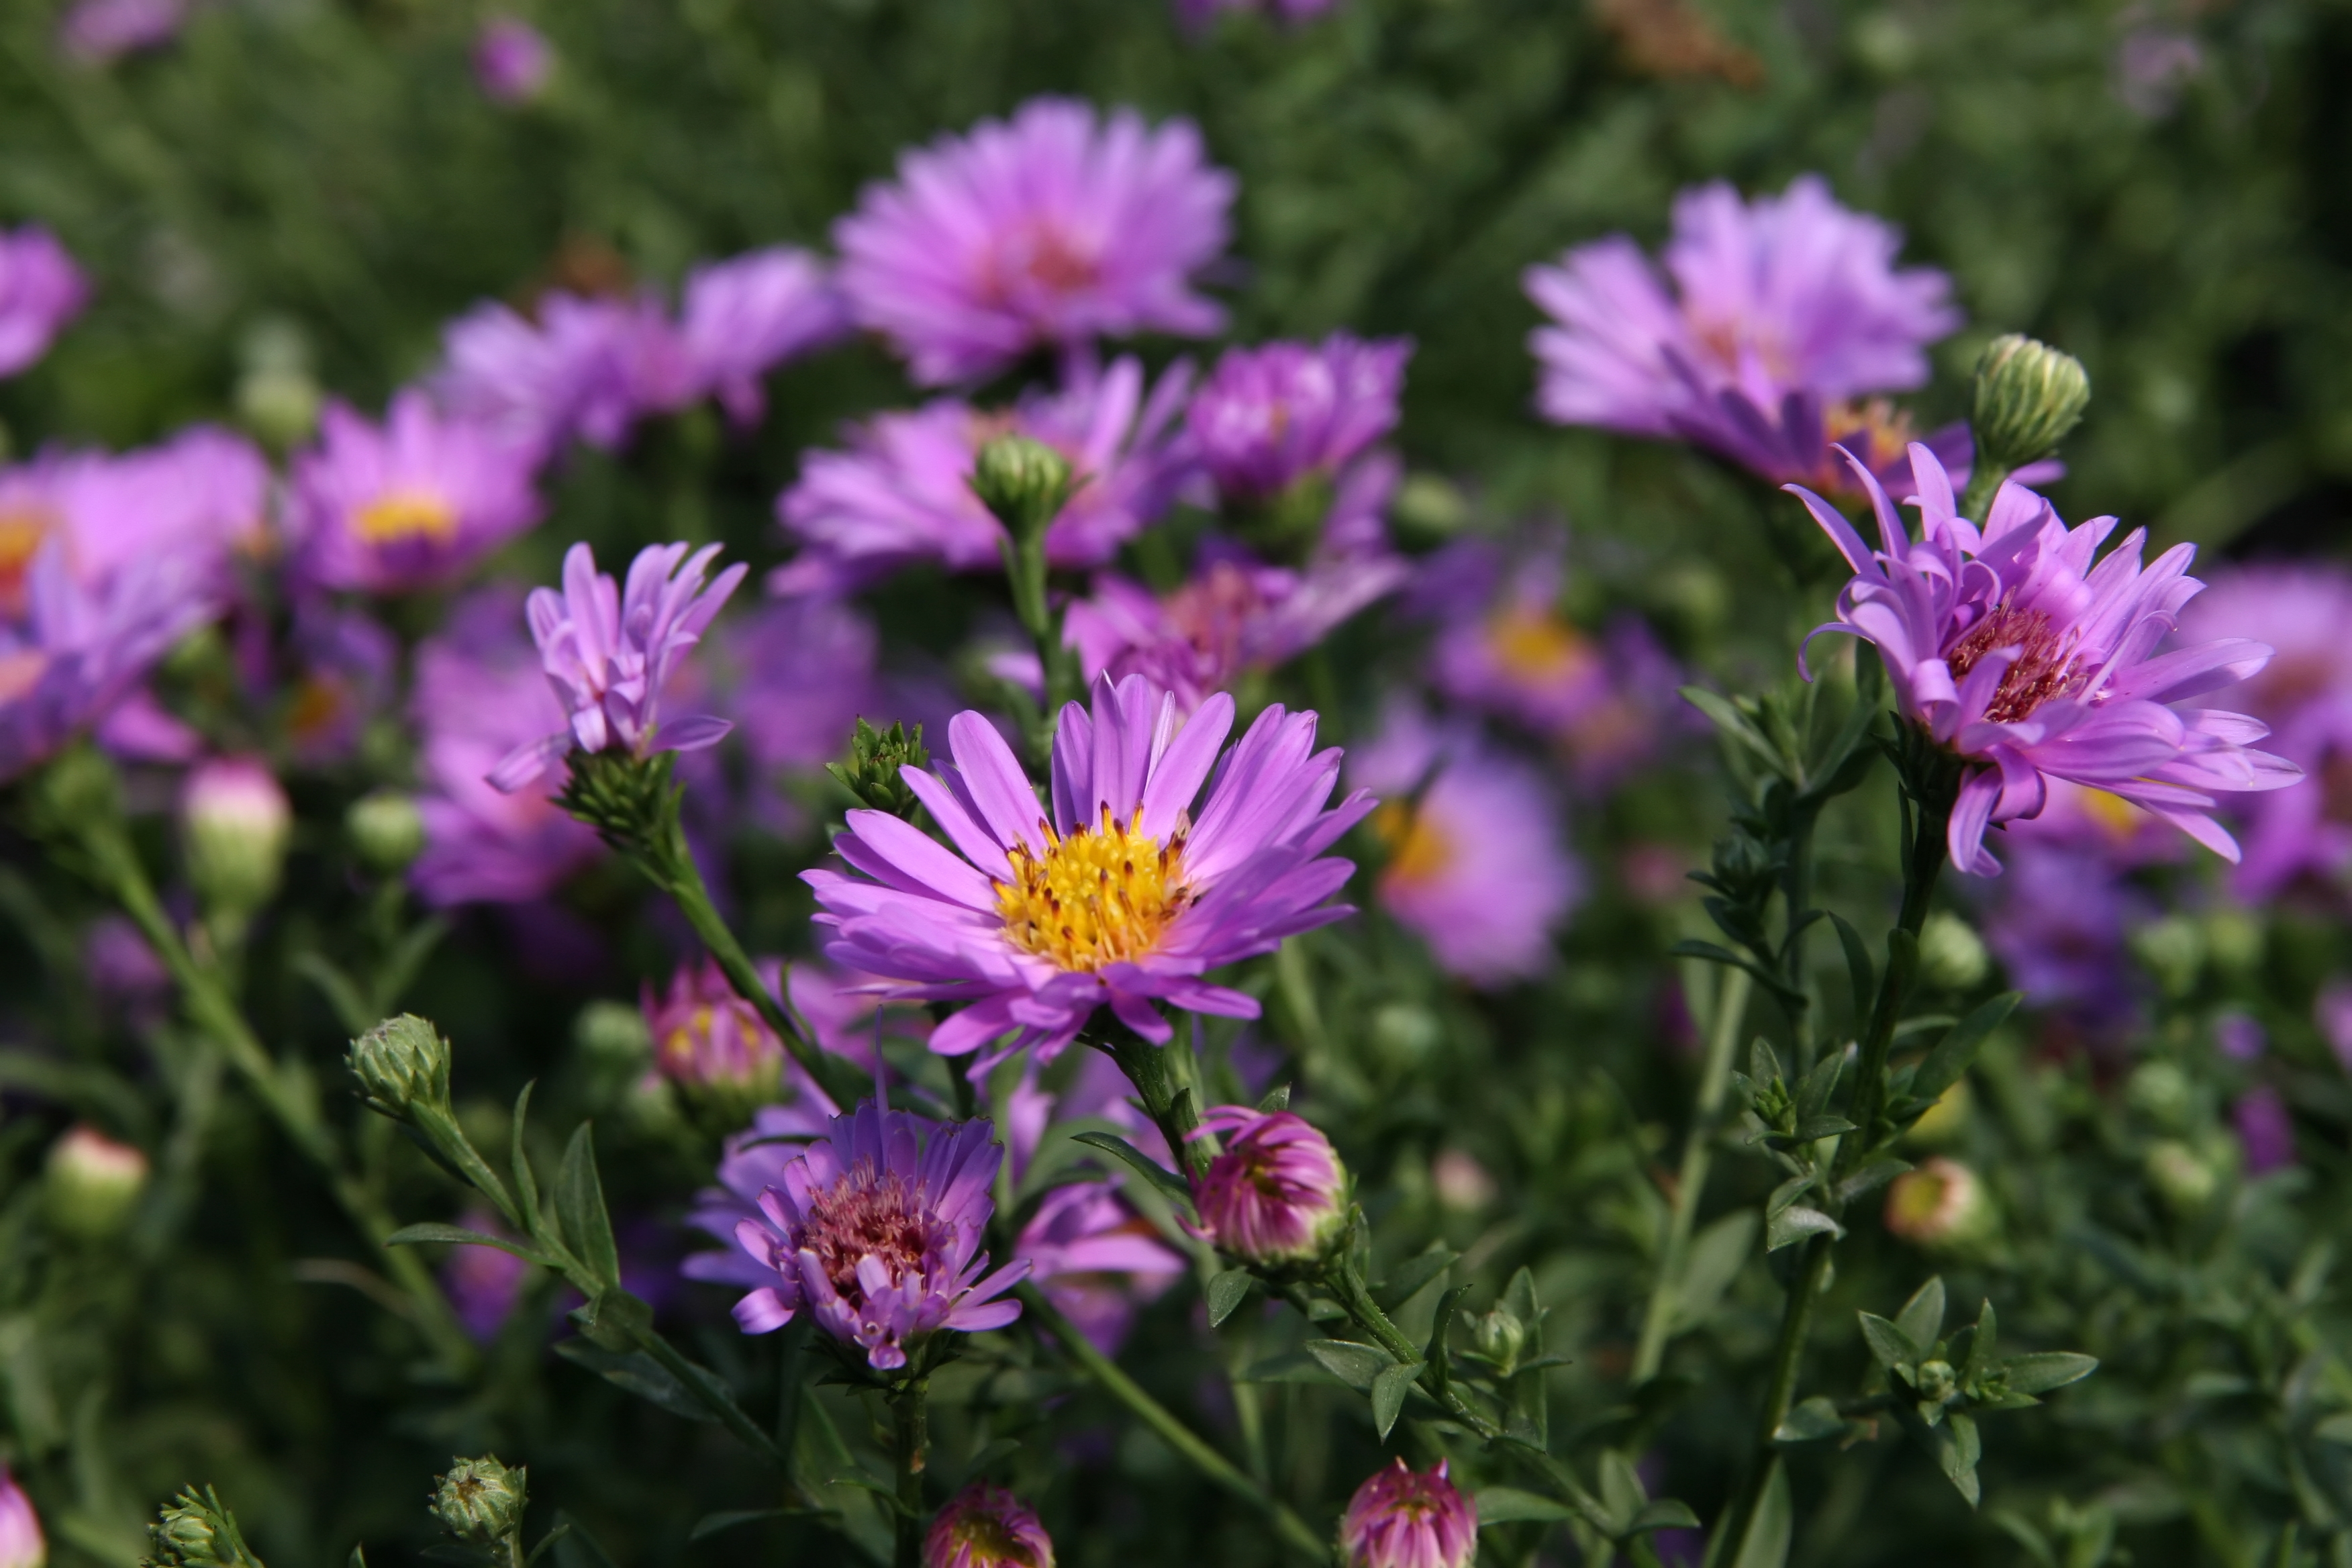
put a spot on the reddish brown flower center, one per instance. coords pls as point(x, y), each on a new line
point(1045, 257)
point(2045, 665)
point(865, 1215)
point(1211, 612)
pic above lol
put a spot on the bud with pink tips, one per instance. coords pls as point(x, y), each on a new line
point(22, 1544)
point(1277, 1194)
point(1403, 1518)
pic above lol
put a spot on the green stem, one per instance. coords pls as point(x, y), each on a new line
point(1348, 1288)
point(1984, 483)
point(910, 1412)
point(1173, 1108)
point(1796, 898)
point(1690, 1184)
point(1174, 1433)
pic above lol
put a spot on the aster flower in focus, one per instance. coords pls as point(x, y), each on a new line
point(1403, 1518)
point(744, 317)
point(985, 1526)
point(1269, 417)
point(479, 692)
point(22, 1544)
point(1096, 1259)
point(1123, 894)
point(1787, 317)
point(2010, 648)
point(901, 492)
point(875, 1232)
point(1277, 1194)
point(408, 504)
point(1051, 230)
point(41, 289)
point(512, 61)
point(610, 653)
point(1476, 865)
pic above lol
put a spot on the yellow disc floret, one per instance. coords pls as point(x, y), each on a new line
point(1419, 850)
point(1100, 896)
point(398, 516)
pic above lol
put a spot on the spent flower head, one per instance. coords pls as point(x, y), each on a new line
point(480, 1501)
point(1277, 1194)
point(985, 1526)
point(1403, 1518)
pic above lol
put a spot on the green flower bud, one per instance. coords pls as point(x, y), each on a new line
point(875, 758)
point(1937, 1381)
point(1952, 957)
point(1500, 1337)
point(480, 1501)
point(2028, 396)
point(401, 1062)
point(1940, 1206)
point(1024, 483)
point(235, 821)
point(386, 831)
point(2173, 949)
point(2181, 1177)
point(93, 1183)
point(195, 1532)
point(2161, 1091)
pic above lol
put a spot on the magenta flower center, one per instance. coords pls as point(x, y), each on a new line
point(2045, 668)
point(866, 1216)
point(1102, 895)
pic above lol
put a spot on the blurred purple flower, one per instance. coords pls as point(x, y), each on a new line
point(2008, 646)
point(1048, 231)
point(41, 289)
point(706, 1035)
point(199, 497)
point(1096, 1259)
point(96, 32)
point(2239, 1038)
point(1270, 416)
point(347, 663)
point(586, 368)
point(21, 1542)
point(875, 1231)
point(78, 652)
point(2058, 924)
point(125, 976)
point(1476, 865)
point(795, 674)
point(1199, 13)
point(2331, 1010)
point(745, 316)
point(408, 504)
point(512, 61)
point(483, 1282)
point(899, 494)
point(1786, 313)
point(2098, 824)
point(610, 653)
point(1018, 924)
point(479, 692)
point(2265, 1130)
point(2151, 66)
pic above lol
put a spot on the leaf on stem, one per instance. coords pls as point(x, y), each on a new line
point(1509, 1505)
point(579, 1206)
point(1143, 1165)
point(1890, 1346)
point(1226, 1292)
point(1357, 1366)
point(1922, 1317)
point(1861, 974)
point(1388, 1391)
point(1812, 1420)
point(1766, 1542)
point(638, 1374)
point(1952, 1054)
point(2039, 1372)
point(458, 1236)
point(519, 1160)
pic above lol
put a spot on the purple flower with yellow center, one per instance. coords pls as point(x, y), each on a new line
point(745, 316)
point(22, 1544)
point(1121, 894)
point(1096, 1259)
point(875, 1232)
point(1051, 230)
point(1787, 314)
point(41, 291)
point(900, 493)
point(1476, 865)
point(1276, 1195)
point(203, 496)
point(408, 504)
point(479, 692)
point(1403, 1518)
point(1267, 417)
point(513, 62)
point(78, 652)
point(610, 652)
point(985, 1526)
point(2011, 648)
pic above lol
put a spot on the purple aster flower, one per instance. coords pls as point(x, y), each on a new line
point(408, 504)
point(1403, 1518)
point(346, 663)
point(483, 1282)
point(479, 692)
point(1786, 314)
point(21, 1542)
point(796, 674)
point(41, 289)
point(1123, 896)
point(2239, 1038)
point(585, 368)
point(1277, 1194)
point(2008, 646)
point(610, 654)
point(2100, 825)
point(1096, 1259)
point(1476, 865)
point(1051, 230)
point(79, 651)
point(745, 316)
point(201, 497)
point(512, 61)
point(706, 1037)
point(875, 1231)
point(985, 1526)
point(2265, 1130)
point(900, 493)
point(2058, 925)
point(1267, 417)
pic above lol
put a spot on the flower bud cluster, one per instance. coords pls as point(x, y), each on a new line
point(194, 1530)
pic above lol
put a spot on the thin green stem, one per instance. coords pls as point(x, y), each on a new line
point(1173, 1106)
point(1984, 483)
point(910, 1420)
point(1173, 1432)
point(1348, 1288)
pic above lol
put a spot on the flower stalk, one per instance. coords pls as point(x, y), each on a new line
point(910, 1437)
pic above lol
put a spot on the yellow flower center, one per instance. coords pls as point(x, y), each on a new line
point(1102, 895)
point(1418, 851)
point(397, 517)
point(2118, 819)
point(22, 529)
point(686, 1041)
point(1534, 644)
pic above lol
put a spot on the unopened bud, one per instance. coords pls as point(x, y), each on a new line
point(1500, 1337)
point(480, 1501)
point(2028, 396)
point(1952, 957)
point(93, 1183)
point(875, 758)
point(195, 1532)
point(401, 1062)
point(22, 1544)
point(2161, 1091)
point(234, 822)
point(985, 1526)
point(1940, 1206)
point(386, 830)
point(1936, 1381)
point(1024, 482)
point(2180, 1177)
point(1277, 1196)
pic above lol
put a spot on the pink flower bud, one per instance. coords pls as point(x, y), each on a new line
point(1408, 1519)
point(92, 1184)
point(1941, 1204)
point(21, 1543)
point(235, 819)
point(986, 1526)
point(1277, 1194)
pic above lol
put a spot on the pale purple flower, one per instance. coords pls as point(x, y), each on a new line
point(2009, 646)
point(985, 1526)
point(2239, 1036)
point(587, 368)
point(2103, 827)
point(1276, 1194)
point(2265, 1130)
point(512, 61)
point(1123, 894)
point(479, 692)
point(1096, 1259)
point(200, 496)
point(21, 1541)
point(796, 674)
point(745, 316)
point(96, 32)
point(875, 1232)
point(1267, 417)
point(1786, 315)
point(1403, 1518)
point(900, 493)
point(1049, 231)
point(78, 652)
point(610, 653)
point(41, 289)
point(482, 1282)
point(408, 504)
point(2058, 924)
point(1476, 864)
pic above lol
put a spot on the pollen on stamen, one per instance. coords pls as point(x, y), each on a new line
point(1099, 895)
point(2045, 665)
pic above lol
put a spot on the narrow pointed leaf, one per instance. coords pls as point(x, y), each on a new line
point(1922, 1318)
point(1888, 1344)
point(1143, 1165)
point(1766, 1543)
point(1508, 1505)
point(1388, 1389)
point(458, 1236)
point(1226, 1292)
point(2043, 1371)
point(579, 1206)
point(1950, 1058)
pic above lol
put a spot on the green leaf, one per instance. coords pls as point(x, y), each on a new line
point(1151, 1170)
point(2043, 1371)
point(1958, 1450)
point(518, 1161)
point(1388, 1391)
point(1736, 726)
point(1276, 1099)
point(351, 1009)
point(1226, 1292)
point(1809, 1421)
point(1950, 1058)
point(580, 1206)
point(1795, 1223)
point(1508, 1505)
point(1813, 1093)
point(458, 1236)
point(1766, 1543)
point(2336, 1428)
point(1357, 1366)
point(1290, 1366)
point(1714, 953)
point(1441, 1323)
point(1922, 1318)
point(615, 1318)
point(1717, 1255)
point(1861, 974)
point(1622, 1495)
point(1889, 1345)
point(1662, 1513)
point(1870, 1178)
point(1412, 1274)
point(638, 1374)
